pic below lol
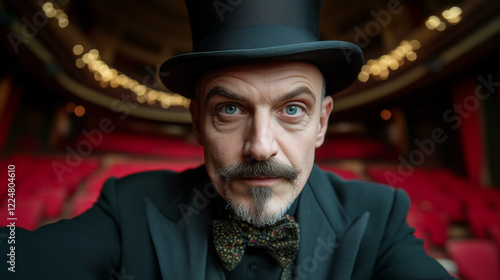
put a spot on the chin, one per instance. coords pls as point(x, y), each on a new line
point(261, 208)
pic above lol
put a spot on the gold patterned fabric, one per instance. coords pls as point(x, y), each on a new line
point(280, 240)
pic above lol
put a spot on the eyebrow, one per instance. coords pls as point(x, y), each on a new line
point(296, 92)
point(225, 93)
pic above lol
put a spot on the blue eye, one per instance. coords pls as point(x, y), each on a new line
point(230, 109)
point(293, 110)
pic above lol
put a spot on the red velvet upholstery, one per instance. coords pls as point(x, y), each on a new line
point(494, 234)
point(344, 173)
point(480, 219)
point(430, 226)
point(354, 147)
point(476, 259)
point(28, 211)
point(144, 145)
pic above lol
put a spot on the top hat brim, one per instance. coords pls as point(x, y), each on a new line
point(339, 62)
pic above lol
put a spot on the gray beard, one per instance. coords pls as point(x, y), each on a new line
point(257, 215)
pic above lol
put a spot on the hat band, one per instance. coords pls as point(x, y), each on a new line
point(254, 37)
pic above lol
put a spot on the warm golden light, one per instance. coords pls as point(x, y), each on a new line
point(363, 77)
point(51, 12)
point(47, 7)
point(441, 26)
point(415, 44)
point(375, 69)
point(70, 107)
point(394, 65)
point(386, 115)
point(365, 69)
point(79, 111)
point(63, 22)
point(79, 63)
point(381, 67)
point(384, 74)
point(453, 15)
point(94, 54)
point(108, 76)
point(411, 56)
point(141, 98)
point(78, 49)
point(432, 22)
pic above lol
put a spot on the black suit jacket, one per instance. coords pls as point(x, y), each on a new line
point(156, 225)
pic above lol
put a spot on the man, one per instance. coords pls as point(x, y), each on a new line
point(260, 84)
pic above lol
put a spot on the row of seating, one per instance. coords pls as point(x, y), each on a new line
point(354, 147)
point(43, 186)
point(441, 199)
point(439, 192)
point(94, 184)
point(43, 195)
point(136, 144)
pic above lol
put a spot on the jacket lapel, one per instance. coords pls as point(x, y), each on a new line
point(180, 231)
point(330, 239)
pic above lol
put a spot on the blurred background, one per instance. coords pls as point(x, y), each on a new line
point(80, 101)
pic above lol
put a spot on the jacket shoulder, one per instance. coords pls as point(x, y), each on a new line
point(356, 195)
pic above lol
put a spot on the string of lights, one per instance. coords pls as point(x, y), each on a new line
point(108, 76)
point(380, 67)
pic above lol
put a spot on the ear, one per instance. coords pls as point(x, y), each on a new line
point(326, 110)
point(195, 119)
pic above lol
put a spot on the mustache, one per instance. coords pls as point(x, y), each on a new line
point(253, 168)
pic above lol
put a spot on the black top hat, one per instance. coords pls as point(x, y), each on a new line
point(236, 32)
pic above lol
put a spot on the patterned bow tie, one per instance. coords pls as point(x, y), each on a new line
point(281, 241)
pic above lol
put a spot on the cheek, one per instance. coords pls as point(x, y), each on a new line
point(299, 146)
point(222, 148)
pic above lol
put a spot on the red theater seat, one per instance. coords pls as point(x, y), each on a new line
point(54, 199)
point(146, 145)
point(482, 218)
point(469, 194)
point(119, 170)
point(430, 226)
point(82, 203)
point(28, 211)
point(476, 259)
point(383, 175)
point(344, 173)
point(494, 234)
point(354, 147)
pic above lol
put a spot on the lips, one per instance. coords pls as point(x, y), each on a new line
point(260, 181)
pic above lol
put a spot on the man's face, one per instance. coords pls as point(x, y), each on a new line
point(259, 126)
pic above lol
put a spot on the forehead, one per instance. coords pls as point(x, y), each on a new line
point(255, 77)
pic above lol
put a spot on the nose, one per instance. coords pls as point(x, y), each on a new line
point(261, 143)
